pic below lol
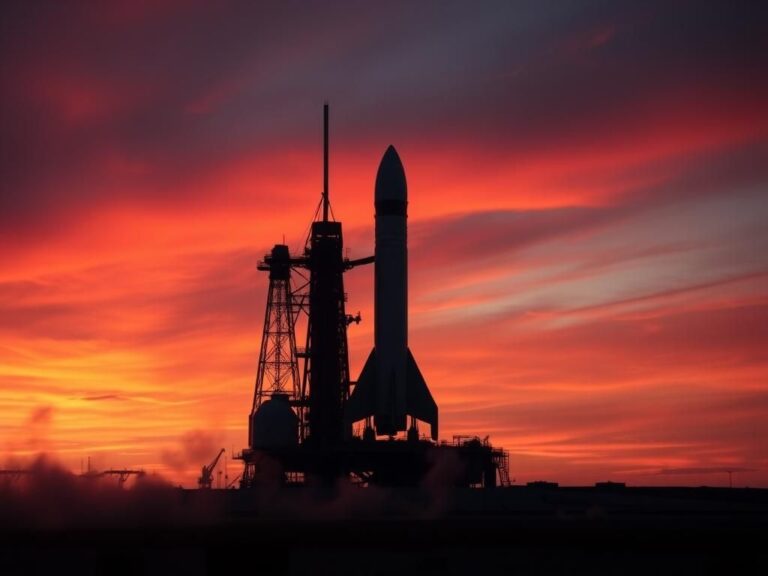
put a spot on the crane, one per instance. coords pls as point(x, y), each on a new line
point(122, 475)
point(206, 473)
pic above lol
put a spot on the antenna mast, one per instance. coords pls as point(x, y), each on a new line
point(325, 162)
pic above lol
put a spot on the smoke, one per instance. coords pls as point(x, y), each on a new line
point(439, 482)
point(41, 416)
point(347, 500)
point(47, 496)
point(36, 431)
point(196, 448)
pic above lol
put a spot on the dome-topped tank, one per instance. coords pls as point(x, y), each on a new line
point(274, 424)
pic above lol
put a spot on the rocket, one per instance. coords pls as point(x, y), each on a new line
point(391, 387)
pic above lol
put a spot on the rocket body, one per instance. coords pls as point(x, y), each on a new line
point(391, 287)
point(390, 387)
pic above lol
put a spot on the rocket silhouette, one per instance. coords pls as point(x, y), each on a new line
point(391, 387)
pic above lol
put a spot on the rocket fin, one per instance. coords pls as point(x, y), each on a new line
point(421, 405)
point(362, 401)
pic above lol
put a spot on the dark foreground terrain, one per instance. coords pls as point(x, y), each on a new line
point(519, 530)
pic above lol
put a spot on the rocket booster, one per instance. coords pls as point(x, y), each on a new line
point(391, 387)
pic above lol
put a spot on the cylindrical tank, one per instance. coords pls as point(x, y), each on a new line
point(275, 424)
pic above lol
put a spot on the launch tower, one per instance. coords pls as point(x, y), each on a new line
point(301, 422)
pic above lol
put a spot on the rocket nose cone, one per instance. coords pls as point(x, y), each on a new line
point(390, 179)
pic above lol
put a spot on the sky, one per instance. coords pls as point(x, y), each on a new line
point(588, 222)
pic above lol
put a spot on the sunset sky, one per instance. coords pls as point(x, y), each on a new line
point(588, 222)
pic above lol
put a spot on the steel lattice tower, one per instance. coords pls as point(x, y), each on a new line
point(278, 370)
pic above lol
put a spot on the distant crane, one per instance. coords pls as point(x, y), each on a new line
point(232, 484)
point(123, 474)
point(206, 473)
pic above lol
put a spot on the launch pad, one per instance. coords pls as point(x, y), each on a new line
point(466, 462)
point(310, 422)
